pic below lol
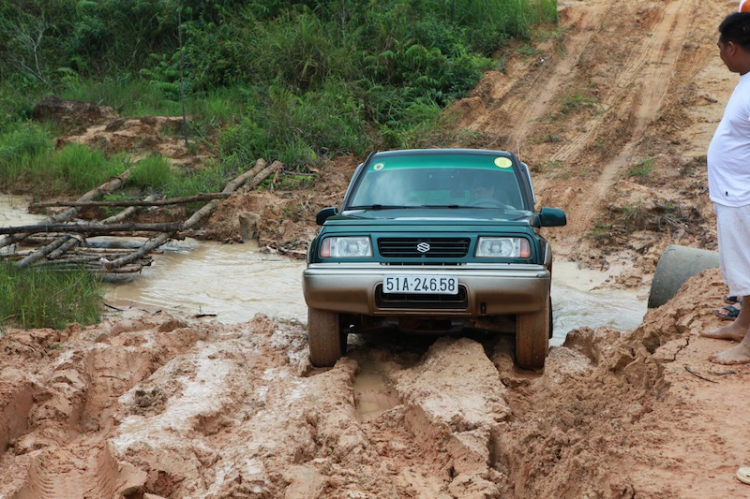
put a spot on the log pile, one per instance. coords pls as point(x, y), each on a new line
point(64, 243)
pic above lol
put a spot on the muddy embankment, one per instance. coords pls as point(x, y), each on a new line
point(157, 405)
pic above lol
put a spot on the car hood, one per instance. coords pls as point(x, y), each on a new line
point(436, 215)
point(394, 221)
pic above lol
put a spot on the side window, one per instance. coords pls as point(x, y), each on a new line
point(531, 186)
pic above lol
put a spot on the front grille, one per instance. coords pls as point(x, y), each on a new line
point(458, 301)
point(442, 247)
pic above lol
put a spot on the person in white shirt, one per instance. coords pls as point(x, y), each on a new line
point(729, 186)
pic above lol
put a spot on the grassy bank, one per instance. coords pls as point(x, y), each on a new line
point(33, 298)
point(291, 81)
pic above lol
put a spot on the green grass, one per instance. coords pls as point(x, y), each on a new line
point(128, 95)
point(643, 168)
point(29, 162)
point(81, 168)
point(21, 147)
point(294, 81)
point(291, 81)
point(35, 297)
point(601, 231)
point(576, 101)
point(153, 172)
point(156, 175)
point(528, 50)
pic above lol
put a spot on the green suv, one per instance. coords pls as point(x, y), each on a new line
point(433, 240)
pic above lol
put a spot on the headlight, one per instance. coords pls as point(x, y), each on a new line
point(503, 247)
point(346, 247)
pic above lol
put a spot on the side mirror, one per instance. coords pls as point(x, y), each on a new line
point(550, 217)
point(325, 214)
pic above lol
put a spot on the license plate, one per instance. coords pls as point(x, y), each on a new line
point(434, 284)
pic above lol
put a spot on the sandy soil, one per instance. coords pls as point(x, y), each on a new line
point(149, 405)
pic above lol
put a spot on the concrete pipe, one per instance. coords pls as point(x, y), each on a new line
point(676, 265)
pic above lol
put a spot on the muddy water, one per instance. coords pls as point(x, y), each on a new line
point(580, 298)
point(235, 282)
point(14, 211)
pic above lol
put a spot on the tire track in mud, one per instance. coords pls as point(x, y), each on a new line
point(440, 438)
point(528, 99)
point(217, 411)
point(641, 90)
point(532, 107)
point(60, 451)
point(292, 436)
point(79, 399)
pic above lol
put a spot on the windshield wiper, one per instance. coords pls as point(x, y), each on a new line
point(440, 206)
point(378, 207)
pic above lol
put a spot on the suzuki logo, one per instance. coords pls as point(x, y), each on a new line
point(423, 247)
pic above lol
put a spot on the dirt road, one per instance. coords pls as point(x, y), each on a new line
point(613, 112)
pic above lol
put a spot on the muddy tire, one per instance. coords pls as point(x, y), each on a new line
point(327, 342)
point(532, 338)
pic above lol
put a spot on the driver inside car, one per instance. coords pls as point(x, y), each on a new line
point(484, 191)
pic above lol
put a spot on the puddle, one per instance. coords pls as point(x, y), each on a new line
point(371, 394)
point(235, 282)
point(14, 211)
point(577, 302)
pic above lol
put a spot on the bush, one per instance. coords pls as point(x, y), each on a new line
point(299, 130)
point(81, 168)
point(20, 148)
point(304, 79)
point(36, 297)
point(152, 172)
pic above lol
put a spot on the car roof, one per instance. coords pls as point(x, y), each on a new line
point(442, 151)
point(442, 158)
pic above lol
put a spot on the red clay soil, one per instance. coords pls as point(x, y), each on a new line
point(613, 112)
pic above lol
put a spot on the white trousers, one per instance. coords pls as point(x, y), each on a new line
point(733, 231)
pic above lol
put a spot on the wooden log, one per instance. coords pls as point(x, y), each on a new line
point(126, 213)
point(42, 252)
point(96, 269)
point(259, 172)
point(68, 214)
point(136, 203)
point(88, 262)
point(264, 174)
point(94, 250)
point(118, 241)
point(82, 259)
point(92, 228)
point(63, 244)
point(124, 269)
point(70, 243)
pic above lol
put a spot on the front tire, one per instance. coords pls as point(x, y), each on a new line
point(326, 341)
point(532, 338)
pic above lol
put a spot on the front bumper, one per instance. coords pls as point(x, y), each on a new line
point(485, 289)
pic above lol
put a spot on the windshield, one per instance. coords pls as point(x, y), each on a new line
point(444, 181)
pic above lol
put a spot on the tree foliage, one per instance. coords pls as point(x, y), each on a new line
point(323, 76)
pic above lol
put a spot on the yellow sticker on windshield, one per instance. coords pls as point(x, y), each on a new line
point(378, 166)
point(503, 162)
